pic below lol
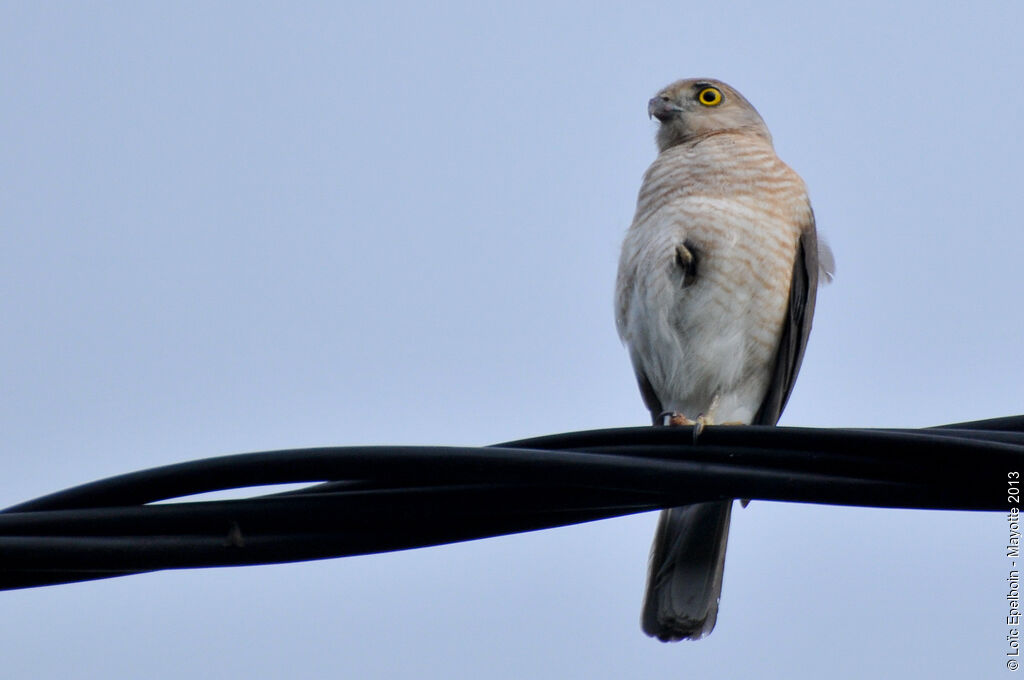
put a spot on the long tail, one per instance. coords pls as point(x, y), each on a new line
point(684, 580)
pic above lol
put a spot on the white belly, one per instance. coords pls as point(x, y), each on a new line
point(709, 347)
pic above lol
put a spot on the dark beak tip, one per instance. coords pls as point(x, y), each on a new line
point(660, 109)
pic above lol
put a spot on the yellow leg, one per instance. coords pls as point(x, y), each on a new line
point(673, 419)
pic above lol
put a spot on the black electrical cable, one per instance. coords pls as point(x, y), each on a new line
point(378, 498)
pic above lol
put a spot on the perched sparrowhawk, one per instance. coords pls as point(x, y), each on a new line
point(715, 294)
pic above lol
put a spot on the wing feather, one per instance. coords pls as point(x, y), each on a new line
point(796, 327)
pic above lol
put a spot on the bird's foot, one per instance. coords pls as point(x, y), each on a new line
point(698, 427)
point(686, 260)
point(673, 419)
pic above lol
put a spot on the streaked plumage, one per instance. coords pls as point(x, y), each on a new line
point(715, 293)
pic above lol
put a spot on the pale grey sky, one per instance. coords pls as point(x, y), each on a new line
point(240, 227)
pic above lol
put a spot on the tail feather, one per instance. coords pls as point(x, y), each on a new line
point(684, 580)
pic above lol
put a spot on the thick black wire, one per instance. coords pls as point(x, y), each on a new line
point(391, 498)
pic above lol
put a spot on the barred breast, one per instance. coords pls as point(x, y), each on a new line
point(706, 343)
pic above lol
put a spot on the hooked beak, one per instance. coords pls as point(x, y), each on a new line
point(661, 108)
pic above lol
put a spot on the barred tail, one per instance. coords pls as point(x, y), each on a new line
point(684, 580)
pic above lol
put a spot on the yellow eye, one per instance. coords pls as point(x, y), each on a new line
point(710, 96)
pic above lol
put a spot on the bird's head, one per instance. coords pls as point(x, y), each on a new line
point(692, 109)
